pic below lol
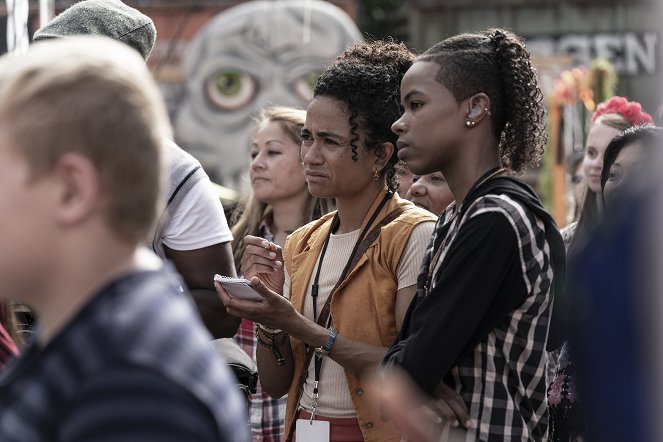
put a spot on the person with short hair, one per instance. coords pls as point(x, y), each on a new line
point(192, 231)
point(479, 323)
point(119, 352)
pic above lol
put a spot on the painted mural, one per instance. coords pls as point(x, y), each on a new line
point(247, 57)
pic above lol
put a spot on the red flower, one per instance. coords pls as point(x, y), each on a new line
point(631, 111)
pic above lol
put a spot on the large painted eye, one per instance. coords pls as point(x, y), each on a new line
point(231, 90)
point(303, 86)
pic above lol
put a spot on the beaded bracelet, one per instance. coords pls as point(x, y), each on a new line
point(272, 344)
point(270, 331)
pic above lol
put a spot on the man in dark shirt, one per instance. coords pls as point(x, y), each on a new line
point(119, 353)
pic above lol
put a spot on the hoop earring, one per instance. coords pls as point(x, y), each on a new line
point(470, 123)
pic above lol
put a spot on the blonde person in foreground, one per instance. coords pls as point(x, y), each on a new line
point(120, 353)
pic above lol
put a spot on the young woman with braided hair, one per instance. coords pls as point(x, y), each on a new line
point(479, 323)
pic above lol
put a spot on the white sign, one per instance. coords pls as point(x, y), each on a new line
point(631, 53)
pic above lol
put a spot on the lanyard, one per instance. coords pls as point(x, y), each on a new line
point(346, 269)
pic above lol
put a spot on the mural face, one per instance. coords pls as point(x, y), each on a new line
point(253, 55)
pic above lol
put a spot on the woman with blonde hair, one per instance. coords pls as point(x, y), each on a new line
point(610, 119)
point(278, 204)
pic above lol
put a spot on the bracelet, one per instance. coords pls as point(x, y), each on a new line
point(272, 344)
point(327, 347)
point(269, 331)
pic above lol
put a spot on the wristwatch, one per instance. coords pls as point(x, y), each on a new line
point(327, 347)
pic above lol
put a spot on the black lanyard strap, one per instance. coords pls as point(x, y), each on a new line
point(325, 318)
point(346, 269)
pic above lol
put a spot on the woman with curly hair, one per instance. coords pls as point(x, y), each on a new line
point(350, 275)
point(479, 323)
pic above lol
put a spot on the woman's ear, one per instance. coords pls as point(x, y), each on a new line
point(478, 108)
point(388, 150)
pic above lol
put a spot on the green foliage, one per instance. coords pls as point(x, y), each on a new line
point(602, 79)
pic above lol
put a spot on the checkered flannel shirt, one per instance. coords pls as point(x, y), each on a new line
point(503, 379)
point(134, 364)
point(267, 415)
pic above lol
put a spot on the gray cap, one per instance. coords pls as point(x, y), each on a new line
point(111, 18)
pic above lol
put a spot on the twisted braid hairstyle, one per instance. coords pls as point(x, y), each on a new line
point(367, 79)
point(497, 63)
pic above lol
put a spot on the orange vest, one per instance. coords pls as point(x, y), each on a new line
point(363, 307)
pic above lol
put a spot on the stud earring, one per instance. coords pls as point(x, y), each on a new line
point(376, 175)
point(470, 123)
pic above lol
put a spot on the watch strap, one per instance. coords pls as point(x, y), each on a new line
point(327, 347)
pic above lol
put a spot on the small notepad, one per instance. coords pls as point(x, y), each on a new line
point(238, 288)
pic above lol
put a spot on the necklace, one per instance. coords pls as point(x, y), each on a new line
point(448, 221)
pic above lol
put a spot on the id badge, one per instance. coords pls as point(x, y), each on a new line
point(307, 430)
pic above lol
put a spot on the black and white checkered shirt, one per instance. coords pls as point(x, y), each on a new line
point(481, 326)
point(135, 364)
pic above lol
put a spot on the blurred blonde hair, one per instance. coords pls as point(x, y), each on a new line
point(93, 96)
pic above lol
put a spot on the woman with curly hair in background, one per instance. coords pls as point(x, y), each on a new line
point(351, 274)
point(479, 323)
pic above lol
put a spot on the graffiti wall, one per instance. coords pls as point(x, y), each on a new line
point(249, 56)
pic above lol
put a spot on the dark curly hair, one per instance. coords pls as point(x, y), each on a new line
point(497, 63)
point(650, 137)
point(367, 78)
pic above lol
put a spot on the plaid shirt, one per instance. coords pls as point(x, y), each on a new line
point(267, 414)
point(486, 315)
point(134, 364)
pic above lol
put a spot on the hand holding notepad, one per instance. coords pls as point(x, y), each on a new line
point(238, 288)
